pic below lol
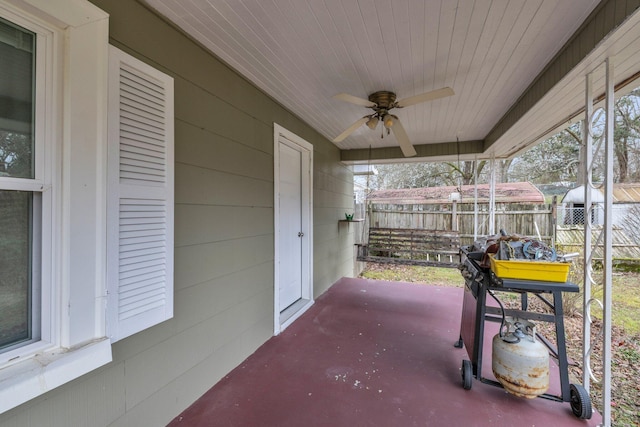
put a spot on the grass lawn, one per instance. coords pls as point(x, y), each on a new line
point(412, 273)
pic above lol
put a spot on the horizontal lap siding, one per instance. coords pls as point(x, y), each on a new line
point(332, 198)
point(223, 239)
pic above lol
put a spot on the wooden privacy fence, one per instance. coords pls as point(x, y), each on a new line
point(528, 220)
point(438, 248)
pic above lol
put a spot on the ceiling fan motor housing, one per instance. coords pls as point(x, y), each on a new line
point(383, 99)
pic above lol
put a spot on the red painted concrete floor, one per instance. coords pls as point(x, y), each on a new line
point(369, 353)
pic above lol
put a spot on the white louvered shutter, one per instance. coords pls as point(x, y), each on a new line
point(140, 196)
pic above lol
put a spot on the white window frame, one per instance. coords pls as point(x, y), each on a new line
point(72, 180)
point(41, 187)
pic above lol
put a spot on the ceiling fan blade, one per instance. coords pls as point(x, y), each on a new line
point(351, 129)
point(402, 138)
point(354, 100)
point(428, 96)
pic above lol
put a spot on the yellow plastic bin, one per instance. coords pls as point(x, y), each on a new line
point(530, 270)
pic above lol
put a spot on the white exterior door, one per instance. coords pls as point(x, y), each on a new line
point(290, 234)
point(293, 293)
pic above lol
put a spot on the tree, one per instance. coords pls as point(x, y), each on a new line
point(626, 133)
point(433, 174)
point(15, 154)
point(413, 175)
point(553, 160)
point(467, 170)
point(557, 159)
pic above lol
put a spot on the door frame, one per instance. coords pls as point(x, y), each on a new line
point(284, 319)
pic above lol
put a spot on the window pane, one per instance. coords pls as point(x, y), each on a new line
point(16, 238)
point(17, 48)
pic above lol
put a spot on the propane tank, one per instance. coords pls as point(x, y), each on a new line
point(520, 362)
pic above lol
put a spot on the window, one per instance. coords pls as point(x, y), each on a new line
point(53, 91)
point(22, 180)
point(86, 213)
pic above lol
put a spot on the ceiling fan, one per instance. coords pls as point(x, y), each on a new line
point(381, 103)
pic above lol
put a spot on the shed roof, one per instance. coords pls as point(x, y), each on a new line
point(628, 192)
point(510, 192)
point(576, 195)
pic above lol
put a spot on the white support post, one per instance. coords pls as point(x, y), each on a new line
point(608, 245)
point(475, 198)
point(605, 238)
point(454, 215)
point(492, 197)
point(587, 160)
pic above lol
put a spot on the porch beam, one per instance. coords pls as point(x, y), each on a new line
point(466, 150)
point(606, 17)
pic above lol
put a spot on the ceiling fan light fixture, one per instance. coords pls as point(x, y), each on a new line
point(388, 121)
point(381, 103)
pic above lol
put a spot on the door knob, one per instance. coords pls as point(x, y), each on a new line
point(300, 234)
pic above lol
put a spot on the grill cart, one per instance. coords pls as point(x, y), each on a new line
point(480, 280)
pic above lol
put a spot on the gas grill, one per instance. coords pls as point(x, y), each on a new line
point(480, 281)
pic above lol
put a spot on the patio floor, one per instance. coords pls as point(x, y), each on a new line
point(370, 353)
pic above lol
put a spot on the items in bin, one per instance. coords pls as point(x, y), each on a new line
point(519, 257)
point(514, 247)
point(520, 362)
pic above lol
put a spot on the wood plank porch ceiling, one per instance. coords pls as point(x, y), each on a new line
point(517, 67)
